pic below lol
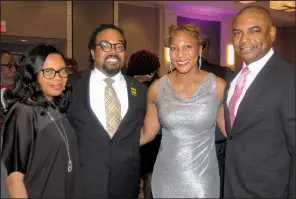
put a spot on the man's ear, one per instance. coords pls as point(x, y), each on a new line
point(272, 33)
point(92, 53)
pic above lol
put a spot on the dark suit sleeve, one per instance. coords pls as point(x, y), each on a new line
point(287, 108)
point(219, 137)
point(228, 73)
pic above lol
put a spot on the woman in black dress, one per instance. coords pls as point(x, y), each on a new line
point(39, 148)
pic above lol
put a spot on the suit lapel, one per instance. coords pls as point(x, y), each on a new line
point(132, 96)
point(84, 113)
point(258, 85)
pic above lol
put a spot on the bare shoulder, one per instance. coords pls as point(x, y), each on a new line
point(153, 91)
point(220, 83)
point(220, 86)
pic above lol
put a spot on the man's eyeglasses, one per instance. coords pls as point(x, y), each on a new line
point(9, 65)
point(107, 46)
point(50, 73)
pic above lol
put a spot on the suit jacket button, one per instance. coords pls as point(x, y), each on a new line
point(230, 137)
point(107, 166)
point(111, 143)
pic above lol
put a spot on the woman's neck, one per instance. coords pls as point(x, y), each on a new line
point(188, 77)
point(49, 99)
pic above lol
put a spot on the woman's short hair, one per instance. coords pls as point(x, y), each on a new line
point(26, 88)
point(191, 28)
point(142, 62)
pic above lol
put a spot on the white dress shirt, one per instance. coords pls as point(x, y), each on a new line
point(97, 87)
point(254, 69)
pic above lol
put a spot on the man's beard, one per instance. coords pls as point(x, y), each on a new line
point(111, 68)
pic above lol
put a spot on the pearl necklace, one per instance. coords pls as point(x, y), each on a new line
point(65, 138)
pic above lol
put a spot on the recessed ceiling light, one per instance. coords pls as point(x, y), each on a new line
point(23, 40)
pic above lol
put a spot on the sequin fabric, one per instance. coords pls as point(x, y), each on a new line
point(186, 165)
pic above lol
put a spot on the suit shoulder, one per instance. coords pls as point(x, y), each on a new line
point(136, 83)
point(75, 77)
point(287, 68)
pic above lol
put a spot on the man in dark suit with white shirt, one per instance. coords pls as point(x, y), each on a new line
point(107, 111)
point(260, 113)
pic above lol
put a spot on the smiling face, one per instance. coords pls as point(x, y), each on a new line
point(52, 87)
point(184, 51)
point(253, 35)
point(109, 61)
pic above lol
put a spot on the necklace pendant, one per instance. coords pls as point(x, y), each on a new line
point(70, 166)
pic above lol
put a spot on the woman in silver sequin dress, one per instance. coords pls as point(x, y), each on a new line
point(187, 104)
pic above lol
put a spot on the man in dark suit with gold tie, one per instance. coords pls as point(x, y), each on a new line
point(107, 110)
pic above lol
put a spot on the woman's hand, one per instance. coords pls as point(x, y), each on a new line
point(15, 185)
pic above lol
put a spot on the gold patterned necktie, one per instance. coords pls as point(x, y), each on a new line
point(112, 108)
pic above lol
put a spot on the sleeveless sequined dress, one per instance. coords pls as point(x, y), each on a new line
point(186, 165)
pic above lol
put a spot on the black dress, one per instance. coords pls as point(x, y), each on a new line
point(33, 145)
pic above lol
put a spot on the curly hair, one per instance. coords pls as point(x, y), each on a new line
point(92, 40)
point(26, 89)
point(72, 64)
point(191, 28)
point(2, 52)
point(142, 62)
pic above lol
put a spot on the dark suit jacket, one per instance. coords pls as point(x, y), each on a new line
point(260, 150)
point(220, 71)
point(224, 73)
point(110, 167)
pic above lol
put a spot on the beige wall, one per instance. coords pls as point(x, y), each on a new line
point(35, 18)
point(140, 25)
point(87, 16)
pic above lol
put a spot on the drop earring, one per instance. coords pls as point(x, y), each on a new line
point(171, 67)
point(199, 60)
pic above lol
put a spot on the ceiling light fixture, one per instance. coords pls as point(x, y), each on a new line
point(245, 2)
point(288, 6)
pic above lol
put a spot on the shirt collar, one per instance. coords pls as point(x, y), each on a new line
point(256, 66)
point(101, 76)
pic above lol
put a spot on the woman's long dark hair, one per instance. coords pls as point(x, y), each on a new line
point(26, 89)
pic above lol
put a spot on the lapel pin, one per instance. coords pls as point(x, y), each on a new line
point(133, 91)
